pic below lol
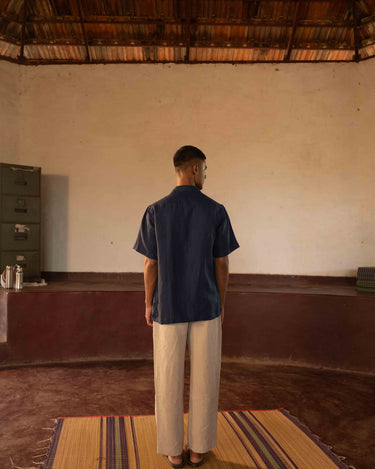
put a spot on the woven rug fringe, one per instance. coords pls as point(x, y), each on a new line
point(316, 437)
point(19, 467)
point(43, 456)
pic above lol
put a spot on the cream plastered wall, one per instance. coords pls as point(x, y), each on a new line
point(9, 107)
point(289, 153)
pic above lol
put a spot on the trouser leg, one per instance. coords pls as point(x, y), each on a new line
point(204, 341)
point(169, 342)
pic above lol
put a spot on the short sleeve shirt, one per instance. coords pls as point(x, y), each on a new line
point(185, 231)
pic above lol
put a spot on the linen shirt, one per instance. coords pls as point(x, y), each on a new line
point(185, 231)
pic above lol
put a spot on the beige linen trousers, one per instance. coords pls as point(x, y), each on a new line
point(204, 340)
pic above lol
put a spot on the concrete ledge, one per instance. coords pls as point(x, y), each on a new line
point(322, 326)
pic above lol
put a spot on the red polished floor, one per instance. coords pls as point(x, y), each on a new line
point(336, 405)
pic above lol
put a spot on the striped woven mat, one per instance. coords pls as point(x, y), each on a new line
point(246, 439)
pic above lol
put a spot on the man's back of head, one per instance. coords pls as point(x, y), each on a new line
point(190, 166)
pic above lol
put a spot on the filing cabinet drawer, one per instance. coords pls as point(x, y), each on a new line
point(17, 236)
point(20, 209)
point(19, 180)
point(20, 213)
point(29, 261)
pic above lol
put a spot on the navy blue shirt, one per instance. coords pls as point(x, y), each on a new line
point(185, 231)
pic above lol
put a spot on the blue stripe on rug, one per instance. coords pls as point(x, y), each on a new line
point(111, 443)
point(287, 457)
point(241, 440)
point(136, 453)
point(270, 459)
point(124, 446)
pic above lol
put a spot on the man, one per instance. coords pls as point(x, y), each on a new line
point(186, 238)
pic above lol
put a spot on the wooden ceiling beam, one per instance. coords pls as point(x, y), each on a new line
point(198, 21)
point(294, 28)
point(188, 31)
point(81, 18)
point(367, 19)
point(78, 62)
point(181, 43)
point(357, 55)
point(21, 56)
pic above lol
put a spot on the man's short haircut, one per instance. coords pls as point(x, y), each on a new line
point(185, 155)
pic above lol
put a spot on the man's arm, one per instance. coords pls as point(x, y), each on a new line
point(150, 279)
point(222, 277)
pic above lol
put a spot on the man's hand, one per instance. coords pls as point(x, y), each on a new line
point(148, 315)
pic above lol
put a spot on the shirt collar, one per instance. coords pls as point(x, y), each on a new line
point(186, 187)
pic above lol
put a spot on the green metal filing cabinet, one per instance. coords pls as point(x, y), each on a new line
point(20, 218)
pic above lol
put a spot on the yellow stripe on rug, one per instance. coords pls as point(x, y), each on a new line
point(254, 439)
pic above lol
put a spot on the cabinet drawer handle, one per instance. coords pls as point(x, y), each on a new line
point(30, 170)
point(20, 210)
point(20, 183)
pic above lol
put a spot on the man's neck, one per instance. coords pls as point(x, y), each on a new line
point(183, 182)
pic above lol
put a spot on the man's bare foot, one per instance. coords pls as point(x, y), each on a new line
point(196, 457)
point(175, 459)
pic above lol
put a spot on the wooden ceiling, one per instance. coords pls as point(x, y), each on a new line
point(186, 31)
